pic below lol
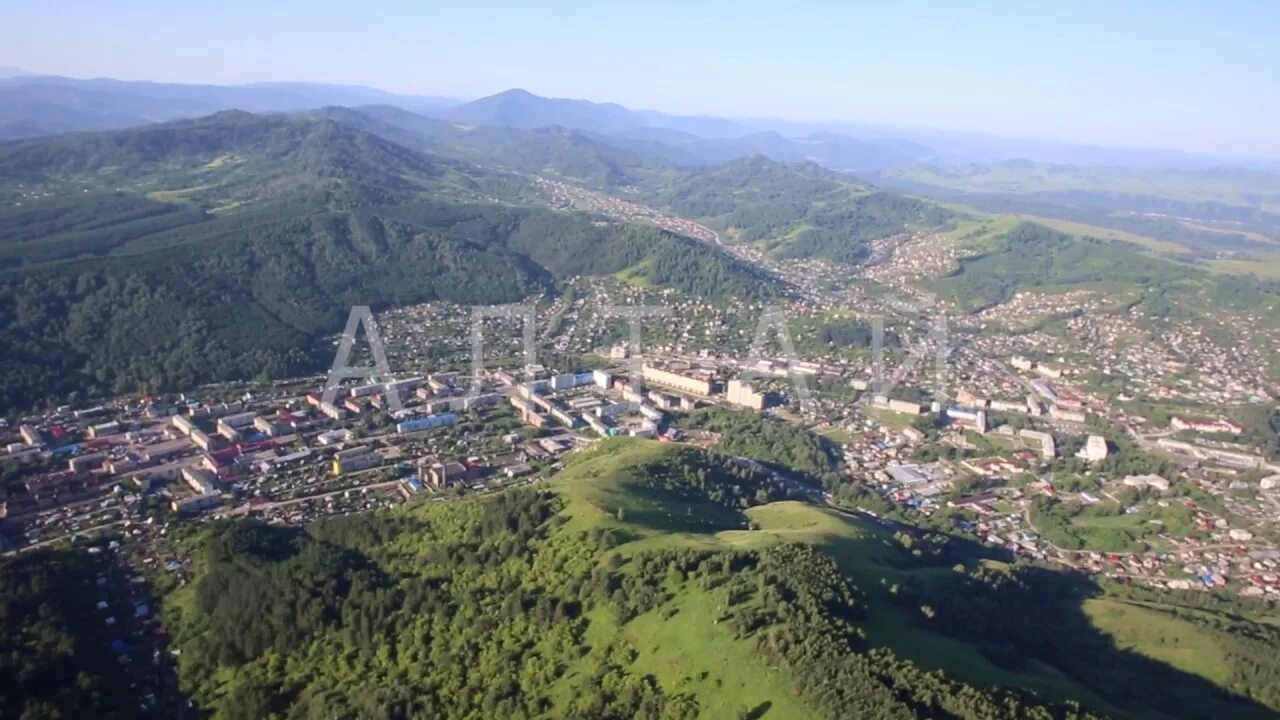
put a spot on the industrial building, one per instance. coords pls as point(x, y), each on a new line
point(1045, 390)
point(1146, 481)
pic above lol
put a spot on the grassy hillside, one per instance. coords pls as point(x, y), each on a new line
point(1204, 214)
point(1033, 256)
point(1002, 256)
point(644, 580)
point(1225, 186)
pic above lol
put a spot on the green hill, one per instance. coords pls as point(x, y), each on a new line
point(571, 154)
point(226, 247)
point(794, 210)
point(658, 581)
point(1028, 256)
point(1034, 256)
point(1204, 213)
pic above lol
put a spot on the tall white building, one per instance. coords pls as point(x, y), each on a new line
point(1094, 450)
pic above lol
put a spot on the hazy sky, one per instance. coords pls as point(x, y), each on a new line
point(1200, 76)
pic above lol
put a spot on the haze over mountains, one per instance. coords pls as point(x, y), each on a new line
point(32, 105)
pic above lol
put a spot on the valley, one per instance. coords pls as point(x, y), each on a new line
point(870, 446)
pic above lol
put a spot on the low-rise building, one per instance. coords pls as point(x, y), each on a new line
point(331, 411)
point(104, 429)
point(1146, 481)
point(904, 406)
point(196, 503)
point(86, 462)
point(699, 384)
point(200, 480)
point(440, 475)
point(1057, 412)
point(1048, 449)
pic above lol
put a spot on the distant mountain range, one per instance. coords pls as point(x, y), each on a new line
point(33, 105)
point(608, 146)
point(522, 109)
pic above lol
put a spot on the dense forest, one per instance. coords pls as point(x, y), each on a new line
point(56, 659)
point(779, 444)
point(1033, 256)
point(795, 211)
point(243, 274)
point(809, 457)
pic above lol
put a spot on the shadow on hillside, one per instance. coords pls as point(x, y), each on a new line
point(1037, 613)
point(667, 510)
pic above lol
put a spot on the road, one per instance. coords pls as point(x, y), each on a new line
point(246, 507)
point(68, 536)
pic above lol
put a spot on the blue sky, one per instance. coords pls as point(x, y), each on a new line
point(1196, 76)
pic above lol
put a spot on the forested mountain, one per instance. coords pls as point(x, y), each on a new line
point(1033, 256)
point(609, 161)
point(535, 605)
point(658, 581)
point(685, 140)
point(589, 159)
point(836, 152)
point(237, 241)
point(41, 105)
point(795, 211)
point(518, 108)
point(240, 159)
